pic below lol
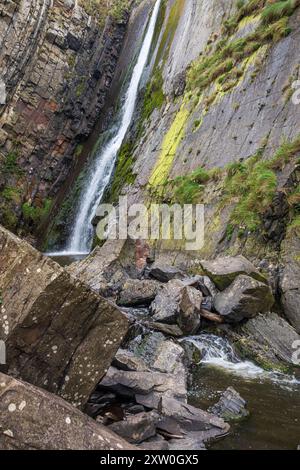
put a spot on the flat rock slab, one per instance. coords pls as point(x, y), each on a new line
point(244, 298)
point(59, 334)
point(147, 387)
point(164, 272)
point(188, 418)
point(33, 419)
point(223, 271)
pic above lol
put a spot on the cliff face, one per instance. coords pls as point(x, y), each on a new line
point(57, 63)
point(219, 125)
point(219, 112)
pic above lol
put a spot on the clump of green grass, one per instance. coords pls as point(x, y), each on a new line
point(279, 9)
point(225, 63)
point(34, 214)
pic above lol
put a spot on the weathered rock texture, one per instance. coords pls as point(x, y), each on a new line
point(193, 127)
point(59, 334)
point(32, 419)
point(57, 63)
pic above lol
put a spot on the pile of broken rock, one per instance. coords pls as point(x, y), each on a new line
point(117, 367)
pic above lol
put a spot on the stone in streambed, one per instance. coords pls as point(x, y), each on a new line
point(33, 419)
point(165, 273)
point(59, 334)
point(224, 270)
point(244, 298)
point(138, 292)
point(231, 406)
point(136, 428)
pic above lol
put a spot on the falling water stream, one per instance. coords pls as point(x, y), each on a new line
point(100, 173)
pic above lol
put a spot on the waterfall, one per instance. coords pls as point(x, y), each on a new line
point(218, 352)
point(80, 240)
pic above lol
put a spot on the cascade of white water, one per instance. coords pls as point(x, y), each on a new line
point(80, 240)
point(218, 352)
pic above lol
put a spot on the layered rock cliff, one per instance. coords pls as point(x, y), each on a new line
point(219, 125)
point(57, 61)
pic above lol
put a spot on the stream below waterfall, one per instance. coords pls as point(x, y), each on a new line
point(273, 399)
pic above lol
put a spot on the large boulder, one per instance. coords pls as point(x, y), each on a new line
point(274, 334)
point(101, 271)
point(33, 419)
point(290, 280)
point(59, 334)
point(180, 303)
point(159, 353)
point(244, 298)
point(223, 271)
point(138, 292)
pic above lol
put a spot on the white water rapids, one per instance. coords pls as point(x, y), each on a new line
point(218, 352)
point(100, 173)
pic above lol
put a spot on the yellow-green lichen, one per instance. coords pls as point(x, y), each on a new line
point(169, 147)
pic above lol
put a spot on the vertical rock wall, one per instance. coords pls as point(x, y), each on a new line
point(56, 67)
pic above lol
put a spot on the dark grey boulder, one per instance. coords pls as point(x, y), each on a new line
point(138, 292)
point(165, 273)
point(244, 298)
point(223, 271)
